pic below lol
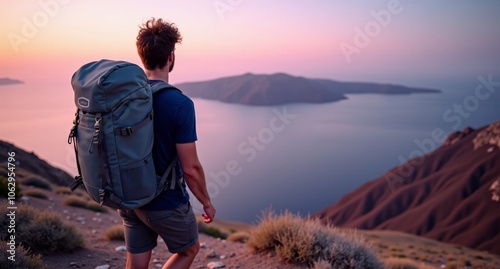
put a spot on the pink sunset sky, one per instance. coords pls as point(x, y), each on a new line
point(380, 41)
point(43, 42)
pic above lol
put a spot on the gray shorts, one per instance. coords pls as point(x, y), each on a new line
point(177, 227)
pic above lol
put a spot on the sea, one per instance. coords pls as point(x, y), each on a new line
point(296, 157)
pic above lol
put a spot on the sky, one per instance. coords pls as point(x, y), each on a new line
point(392, 41)
point(414, 43)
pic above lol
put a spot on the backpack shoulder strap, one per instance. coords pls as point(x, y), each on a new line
point(162, 85)
point(169, 178)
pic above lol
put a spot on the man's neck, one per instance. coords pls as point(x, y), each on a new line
point(157, 74)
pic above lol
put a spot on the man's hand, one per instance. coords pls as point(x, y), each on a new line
point(209, 214)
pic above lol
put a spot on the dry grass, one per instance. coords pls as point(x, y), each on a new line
point(23, 258)
point(398, 263)
point(62, 190)
point(240, 237)
point(392, 244)
point(115, 232)
point(75, 201)
point(37, 193)
point(37, 182)
point(308, 242)
point(82, 202)
point(42, 232)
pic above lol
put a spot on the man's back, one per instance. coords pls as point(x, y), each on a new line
point(174, 122)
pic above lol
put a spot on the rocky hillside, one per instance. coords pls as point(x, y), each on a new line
point(450, 194)
point(277, 89)
point(31, 163)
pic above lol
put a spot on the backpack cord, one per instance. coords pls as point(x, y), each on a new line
point(72, 139)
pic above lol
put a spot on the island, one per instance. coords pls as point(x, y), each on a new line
point(280, 88)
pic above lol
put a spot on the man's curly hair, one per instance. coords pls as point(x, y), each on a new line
point(155, 41)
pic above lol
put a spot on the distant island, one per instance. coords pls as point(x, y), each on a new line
point(9, 81)
point(279, 88)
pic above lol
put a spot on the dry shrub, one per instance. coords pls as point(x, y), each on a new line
point(398, 263)
point(23, 258)
point(4, 188)
point(240, 237)
point(36, 193)
point(43, 232)
point(94, 206)
point(115, 232)
point(322, 264)
point(62, 190)
point(75, 201)
point(82, 202)
point(37, 182)
point(296, 240)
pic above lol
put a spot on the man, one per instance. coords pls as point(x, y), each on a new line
point(169, 215)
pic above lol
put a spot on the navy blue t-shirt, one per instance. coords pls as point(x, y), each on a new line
point(174, 123)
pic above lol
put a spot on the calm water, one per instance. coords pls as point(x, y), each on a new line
point(297, 157)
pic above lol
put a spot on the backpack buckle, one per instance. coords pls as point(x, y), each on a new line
point(127, 131)
point(102, 194)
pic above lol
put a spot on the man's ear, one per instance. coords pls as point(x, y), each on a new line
point(171, 57)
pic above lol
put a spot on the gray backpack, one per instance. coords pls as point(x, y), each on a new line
point(113, 135)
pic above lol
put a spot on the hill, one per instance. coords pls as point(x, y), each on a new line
point(30, 163)
point(277, 89)
point(9, 81)
point(99, 251)
point(447, 195)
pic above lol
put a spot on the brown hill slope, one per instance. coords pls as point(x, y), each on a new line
point(444, 195)
point(31, 163)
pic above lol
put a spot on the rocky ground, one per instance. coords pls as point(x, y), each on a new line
point(100, 253)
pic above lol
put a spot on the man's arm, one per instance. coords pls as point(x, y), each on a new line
point(195, 177)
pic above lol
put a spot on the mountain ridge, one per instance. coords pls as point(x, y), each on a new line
point(443, 195)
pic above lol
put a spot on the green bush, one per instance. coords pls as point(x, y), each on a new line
point(43, 232)
point(211, 231)
point(115, 232)
point(214, 232)
point(23, 258)
point(4, 188)
point(37, 182)
point(36, 193)
point(308, 242)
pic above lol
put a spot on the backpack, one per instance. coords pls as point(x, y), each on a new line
point(113, 135)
